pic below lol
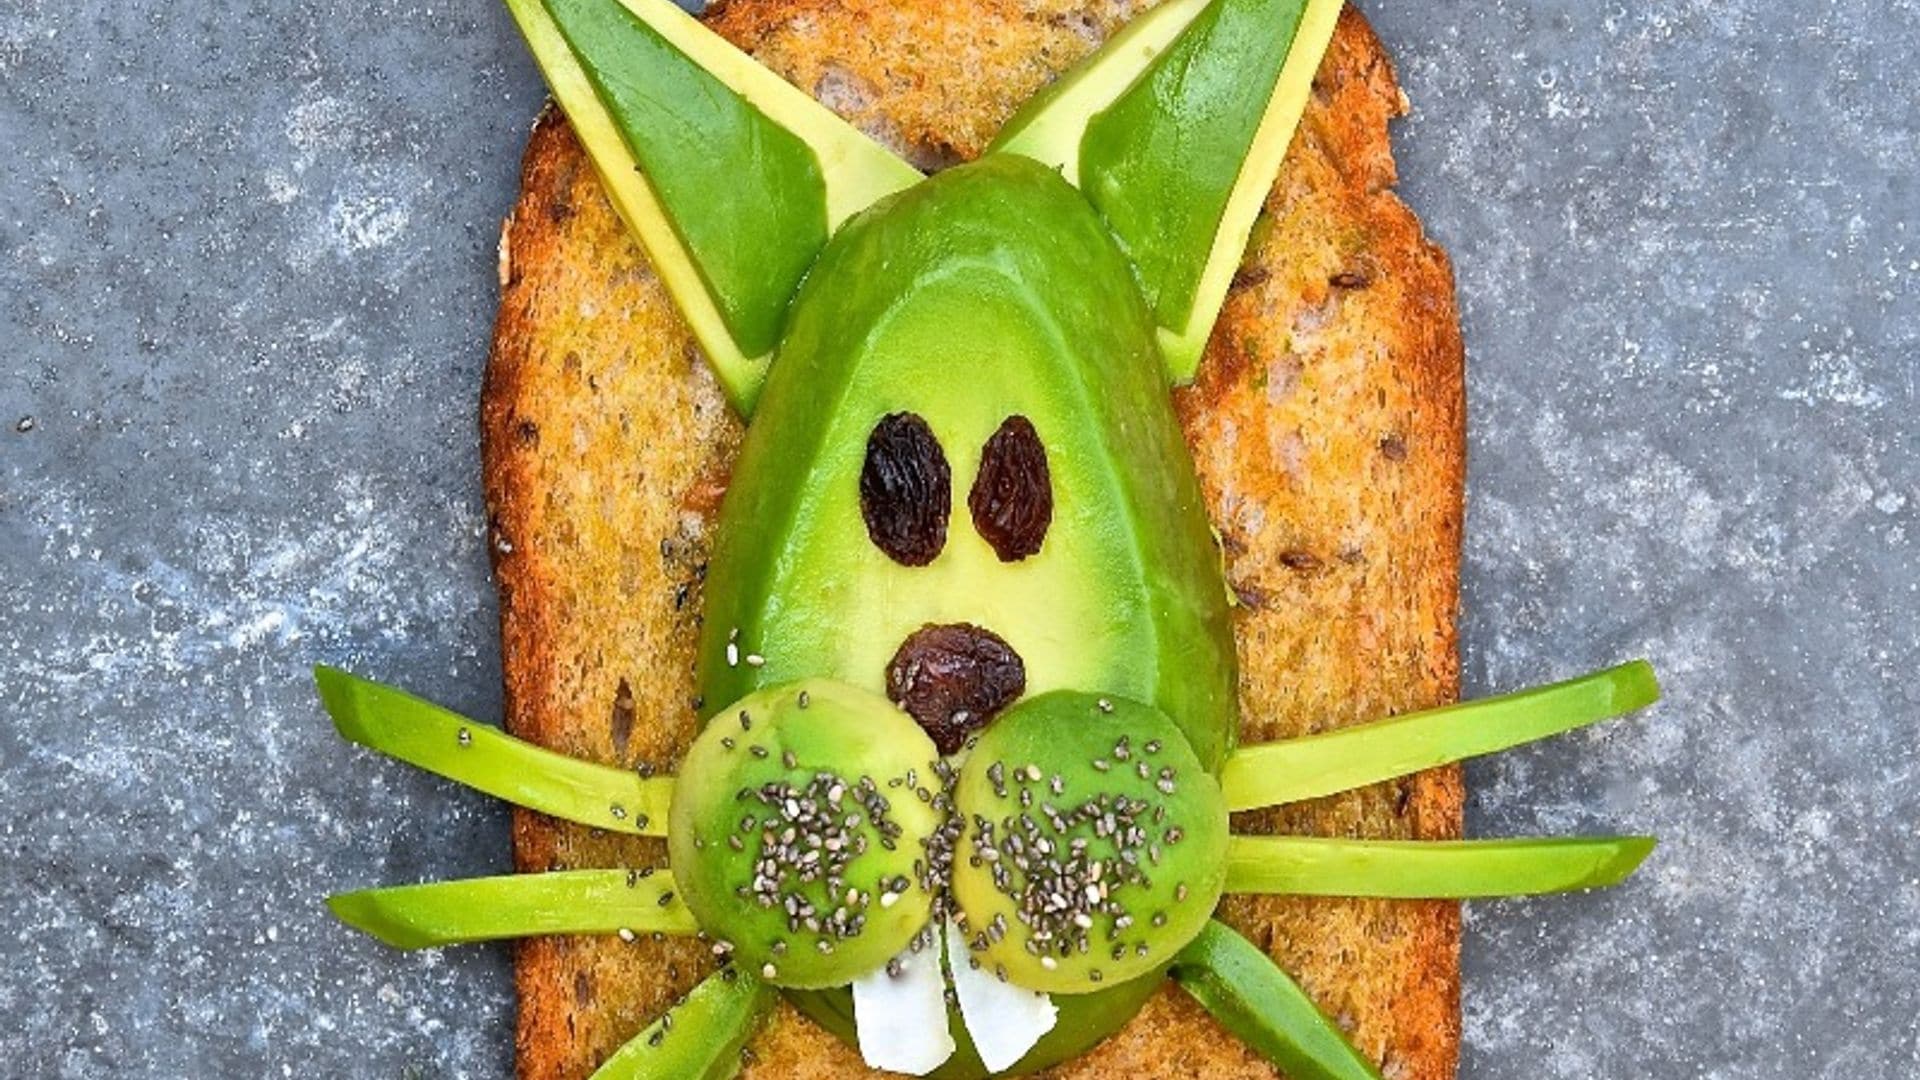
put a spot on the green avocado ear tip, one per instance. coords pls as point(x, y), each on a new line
point(731, 178)
point(1175, 130)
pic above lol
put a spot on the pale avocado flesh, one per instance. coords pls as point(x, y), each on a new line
point(990, 290)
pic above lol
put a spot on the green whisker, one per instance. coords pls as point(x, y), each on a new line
point(701, 1038)
point(1430, 869)
point(1282, 772)
point(487, 759)
point(1248, 993)
point(517, 905)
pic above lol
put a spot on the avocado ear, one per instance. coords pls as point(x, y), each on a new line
point(731, 178)
point(1175, 130)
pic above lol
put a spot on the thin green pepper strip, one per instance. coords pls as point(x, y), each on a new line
point(1248, 993)
point(487, 759)
point(1307, 768)
point(517, 905)
point(1430, 869)
point(701, 1038)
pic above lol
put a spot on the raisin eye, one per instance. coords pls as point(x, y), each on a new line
point(906, 490)
point(1012, 497)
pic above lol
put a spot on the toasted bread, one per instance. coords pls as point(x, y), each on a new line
point(1327, 424)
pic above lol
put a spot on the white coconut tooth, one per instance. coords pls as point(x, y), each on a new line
point(1004, 1020)
point(902, 1019)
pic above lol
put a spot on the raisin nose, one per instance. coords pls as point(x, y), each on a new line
point(954, 677)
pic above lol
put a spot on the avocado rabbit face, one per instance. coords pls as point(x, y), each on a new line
point(964, 481)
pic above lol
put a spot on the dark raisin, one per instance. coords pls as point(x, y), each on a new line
point(906, 490)
point(953, 678)
point(1012, 497)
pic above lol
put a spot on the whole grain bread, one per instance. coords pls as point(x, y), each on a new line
point(1327, 424)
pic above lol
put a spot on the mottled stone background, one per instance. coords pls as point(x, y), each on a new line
point(246, 281)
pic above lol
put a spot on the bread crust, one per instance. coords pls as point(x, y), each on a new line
point(1327, 424)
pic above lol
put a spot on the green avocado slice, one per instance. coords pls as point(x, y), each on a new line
point(487, 759)
point(1248, 993)
point(1430, 869)
point(1306, 768)
point(731, 178)
point(989, 291)
point(516, 906)
point(699, 1039)
point(1175, 130)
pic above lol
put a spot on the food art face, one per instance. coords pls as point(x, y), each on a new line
point(966, 663)
point(961, 516)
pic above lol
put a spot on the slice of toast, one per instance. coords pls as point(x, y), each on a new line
point(1327, 424)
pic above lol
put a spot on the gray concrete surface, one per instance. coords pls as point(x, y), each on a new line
point(246, 278)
